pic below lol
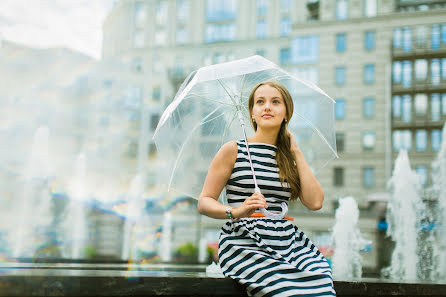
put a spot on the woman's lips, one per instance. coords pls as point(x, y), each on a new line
point(267, 116)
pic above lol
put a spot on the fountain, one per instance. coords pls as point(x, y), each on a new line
point(75, 227)
point(165, 248)
point(405, 212)
point(347, 241)
point(135, 205)
point(439, 186)
point(33, 206)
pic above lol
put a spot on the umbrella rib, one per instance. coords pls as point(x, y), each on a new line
point(227, 92)
point(318, 132)
point(243, 87)
point(227, 127)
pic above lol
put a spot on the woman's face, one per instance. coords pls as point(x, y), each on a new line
point(269, 108)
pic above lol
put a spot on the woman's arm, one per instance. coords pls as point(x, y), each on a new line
point(312, 194)
point(219, 172)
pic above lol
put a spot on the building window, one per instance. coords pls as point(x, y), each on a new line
point(260, 52)
point(420, 140)
point(133, 98)
point(161, 12)
point(285, 56)
point(156, 93)
point(341, 9)
point(407, 39)
point(218, 58)
point(406, 115)
point(368, 140)
point(262, 7)
point(368, 108)
point(285, 27)
point(420, 69)
point(136, 65)
point(140, 14)
point(340, 138)
point(152, 150)
point(443, 104)
point(402, 139)
point(368, 177)
point(313, 10)
point(369, 74)
point(139, 39)
point(421, 171)
point(397, 38)
point(305, 49)
point(436, 140)
point(261, 29)
point(183, 11)
point(443, 69)
point(338, 179)
point(341, 42)
point(421, 36)
point(435, 72)
point(340, 109)
point(435, 107)
point(220, 32)
point(309, 73)
point(396, 106)
point(132, 149)
point(221, 10)
point(181, 35)
point(443, 33)
point(397, 71)
point(285, 6)
point(435, 36)
point(160, 37)
point(369, 8)
point(340, 75)
point(154, 119)
point(420, 104)
point(369, 40)
point(407, 74)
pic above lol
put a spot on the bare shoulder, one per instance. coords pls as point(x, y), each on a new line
point(227, 153)
point(229, 149)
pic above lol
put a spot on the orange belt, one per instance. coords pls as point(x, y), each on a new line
point(261, 215)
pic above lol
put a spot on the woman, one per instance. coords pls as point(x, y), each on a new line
point(269, 257)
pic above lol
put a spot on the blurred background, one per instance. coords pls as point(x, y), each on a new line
point(80, 179)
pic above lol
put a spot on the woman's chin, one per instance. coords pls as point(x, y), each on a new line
point(268, 124)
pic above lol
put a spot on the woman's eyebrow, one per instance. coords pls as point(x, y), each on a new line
point(261, 97)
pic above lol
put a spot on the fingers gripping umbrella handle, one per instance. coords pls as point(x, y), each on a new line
point(270, 214)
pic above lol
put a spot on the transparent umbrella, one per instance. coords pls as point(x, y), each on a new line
point(211, 108)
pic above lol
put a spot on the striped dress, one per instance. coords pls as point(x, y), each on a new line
point(269, 257)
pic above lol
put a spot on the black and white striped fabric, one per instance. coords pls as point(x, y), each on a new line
point(270, 257)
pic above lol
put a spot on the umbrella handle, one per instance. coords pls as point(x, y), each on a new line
point(270, 214)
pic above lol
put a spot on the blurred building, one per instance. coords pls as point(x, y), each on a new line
point(383, 61)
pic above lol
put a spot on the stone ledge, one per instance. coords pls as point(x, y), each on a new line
point(104, 282)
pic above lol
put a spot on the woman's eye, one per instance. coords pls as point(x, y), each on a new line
point(259, 101)
point(276, 101)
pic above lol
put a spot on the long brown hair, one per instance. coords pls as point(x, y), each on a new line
point(285, 159)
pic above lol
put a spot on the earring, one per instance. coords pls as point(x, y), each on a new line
point(285, 120)
point(253, 120)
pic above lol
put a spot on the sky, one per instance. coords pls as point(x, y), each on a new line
point(75, 24)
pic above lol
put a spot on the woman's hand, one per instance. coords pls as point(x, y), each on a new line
point(249, 206)
point(294, 147)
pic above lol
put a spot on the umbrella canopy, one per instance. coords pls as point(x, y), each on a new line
point(211, 103)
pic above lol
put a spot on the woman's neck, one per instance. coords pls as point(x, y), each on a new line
point(265, 136)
